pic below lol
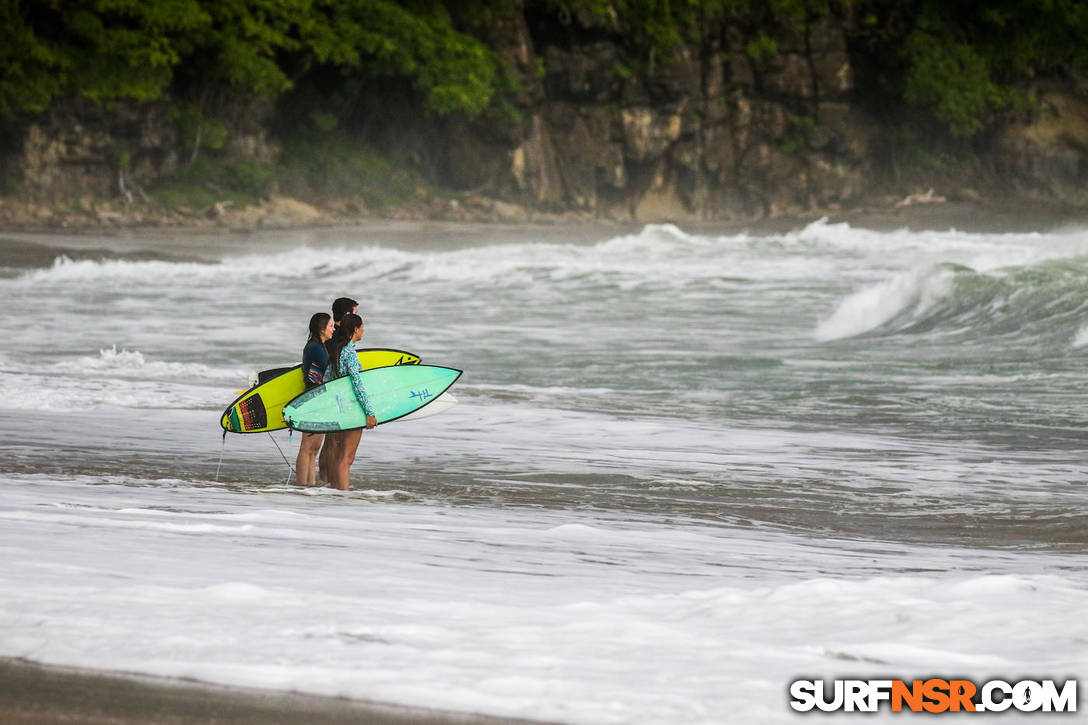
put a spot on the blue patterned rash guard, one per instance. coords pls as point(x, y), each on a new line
point(349, 365)
point(315, 359)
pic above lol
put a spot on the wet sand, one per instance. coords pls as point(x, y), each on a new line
point(34, 694)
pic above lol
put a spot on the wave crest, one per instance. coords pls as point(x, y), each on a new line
point(1029, 301)
point(132, 363)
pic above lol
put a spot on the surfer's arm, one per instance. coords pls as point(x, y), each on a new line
point(351, 362)
point(314, 362)
point(312, 371)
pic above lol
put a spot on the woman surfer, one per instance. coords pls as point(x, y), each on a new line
point(314, 361)
point(344, 360)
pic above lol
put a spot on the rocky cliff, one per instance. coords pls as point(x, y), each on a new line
point(718, 131)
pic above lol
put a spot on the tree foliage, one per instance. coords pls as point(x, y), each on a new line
point(968, 62)
point(110, 49)
point(965, 62)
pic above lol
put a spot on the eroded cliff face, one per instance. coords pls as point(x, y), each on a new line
point(1046, 158)
point(79, 149)
point(714, 133)
point(718, 133)
point(83, 149)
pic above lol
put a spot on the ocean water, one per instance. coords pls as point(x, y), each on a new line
point(687, 467)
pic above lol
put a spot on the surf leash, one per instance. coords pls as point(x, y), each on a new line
point(289, 468)
point(221, 452)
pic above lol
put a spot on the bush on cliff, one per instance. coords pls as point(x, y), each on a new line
point(132, 49)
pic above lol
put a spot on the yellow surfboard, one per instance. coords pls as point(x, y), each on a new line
point(260, 409)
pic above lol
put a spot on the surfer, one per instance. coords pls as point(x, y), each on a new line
point(344, 360)
point(315, 358)
point(340, 306)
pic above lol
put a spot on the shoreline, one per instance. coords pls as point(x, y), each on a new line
point(32, 693)
point(286, 214)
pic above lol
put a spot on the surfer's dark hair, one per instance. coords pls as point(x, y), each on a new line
point(317, 325)
point(341, 338)
point(342, 306)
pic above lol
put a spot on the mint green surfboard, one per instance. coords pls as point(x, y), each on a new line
point(394, 392)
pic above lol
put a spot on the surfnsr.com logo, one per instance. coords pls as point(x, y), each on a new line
point(934, 695)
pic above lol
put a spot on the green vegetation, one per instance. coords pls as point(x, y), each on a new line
point(205, 58)
point(916, 159)
point(133, 49)
point(211, 179)
point(965, 65)
point(334, 164)
point(965, 62)
point(761, 47)
point(968, 62)
point(799, 133)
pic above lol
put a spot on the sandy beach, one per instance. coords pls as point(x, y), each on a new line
point(34, 694)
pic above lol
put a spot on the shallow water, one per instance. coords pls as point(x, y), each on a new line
point(686, 468)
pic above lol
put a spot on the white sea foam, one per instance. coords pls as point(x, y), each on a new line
point(114, 379)
point(128, 364)
point(660, 259)
point(559, 616)
point(981, 250)
point(660, 254)
point(869, 308)
point(656, 252)
point(1081, 338)
point(302, 262)
point(660, 499)
point(65, 392)
point(1040, 281)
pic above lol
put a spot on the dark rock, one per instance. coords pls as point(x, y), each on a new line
point(789, 75)
point(587, 74)
point(1047, 157)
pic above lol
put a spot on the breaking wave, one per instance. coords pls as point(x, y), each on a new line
point(1021, 301)
point(133, 364)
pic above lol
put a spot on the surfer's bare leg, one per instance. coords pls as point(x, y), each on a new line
point(307, 455)
point(326, 461)
point(345, 448)
point(323, 460)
